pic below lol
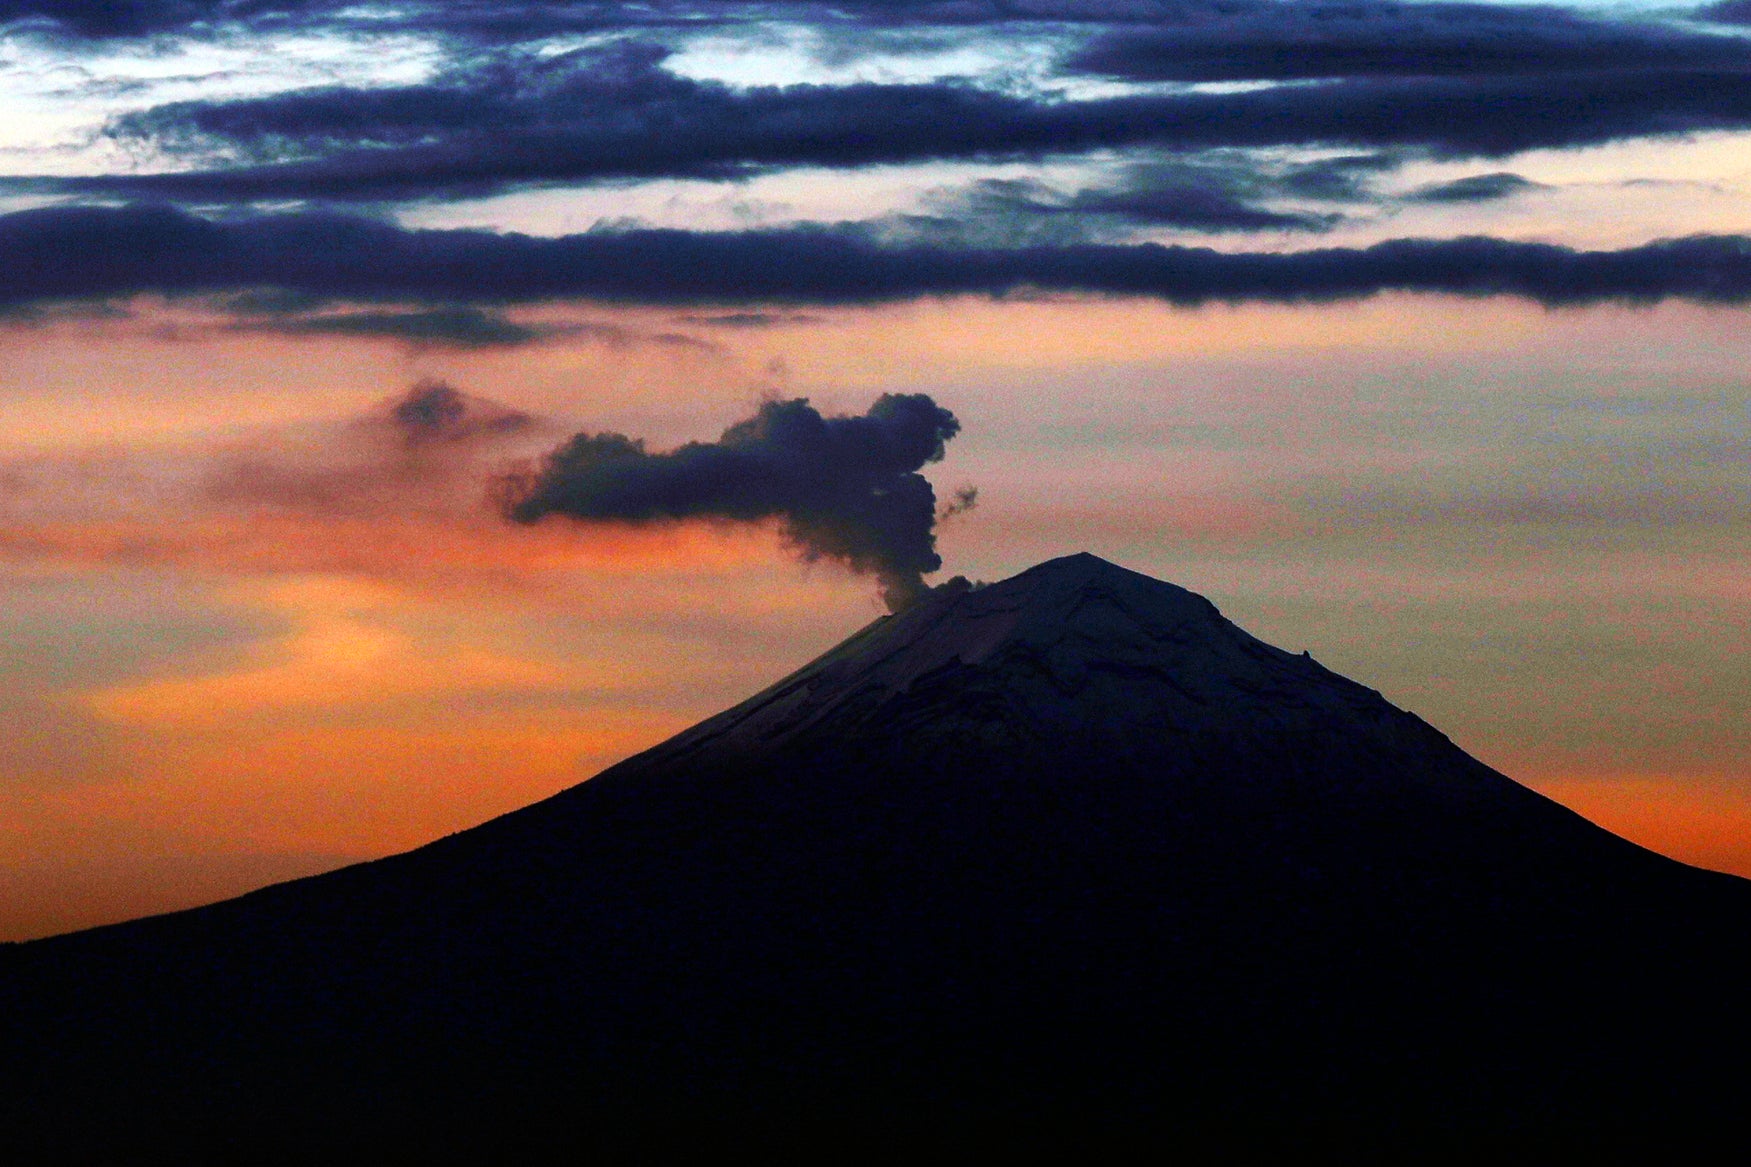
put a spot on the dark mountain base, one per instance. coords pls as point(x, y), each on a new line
point(1156, 952)
point(999, 904)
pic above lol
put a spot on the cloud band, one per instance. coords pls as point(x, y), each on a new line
point(74, 253)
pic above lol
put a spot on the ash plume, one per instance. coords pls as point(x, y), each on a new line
point(843, 488)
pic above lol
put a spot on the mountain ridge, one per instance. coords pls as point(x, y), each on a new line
point(1069, 850)
point(1067, 623)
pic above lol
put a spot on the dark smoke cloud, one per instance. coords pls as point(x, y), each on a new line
point(69, 253)
point(844, 488)
point(1727, 12)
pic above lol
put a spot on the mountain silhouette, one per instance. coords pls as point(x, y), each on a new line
point(1068, 856)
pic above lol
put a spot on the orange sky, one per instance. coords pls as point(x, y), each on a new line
point(1526, 526)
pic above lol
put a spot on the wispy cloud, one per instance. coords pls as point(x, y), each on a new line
point(1477, 188)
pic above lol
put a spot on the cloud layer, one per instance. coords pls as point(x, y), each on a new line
point(1113, 122)
point(508, 119)
point(1280, 40)
point(71, 253)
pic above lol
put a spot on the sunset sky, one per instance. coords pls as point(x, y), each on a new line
point(1412, 335)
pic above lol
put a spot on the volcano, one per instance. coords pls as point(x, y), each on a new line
point(1068, 855)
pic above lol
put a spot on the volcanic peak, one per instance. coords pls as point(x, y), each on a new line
point(1072, 643)
point(1070, 845)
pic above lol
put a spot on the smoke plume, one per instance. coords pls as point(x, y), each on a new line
point(844, 488)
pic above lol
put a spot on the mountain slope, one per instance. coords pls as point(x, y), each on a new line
point(1069, 851)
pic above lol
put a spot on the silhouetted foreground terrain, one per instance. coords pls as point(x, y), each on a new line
point(1065, 855)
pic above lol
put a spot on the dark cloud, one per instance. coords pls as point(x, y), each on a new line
point(1345, 178)
point(481, 20)
point(442, 327)
point(750, 319)
point(1726, 12)
point(516, 20)
point(1195, 208)
point(682, 340)
point(495, 22)
point(844, 488)
point(132, 18)
point(583, 117)
point(306, 314)
point(73, 312)
point(510, 21)
point(1476, 188)
point(63, 253)
point(272, 302)
point(496, 91)
point(1308, 39)
point(1213, 194)
point(507, 120)
point(435, 411)
point(1205, 196)
point(1181, 39)
point(998, 212)
point(966, 13)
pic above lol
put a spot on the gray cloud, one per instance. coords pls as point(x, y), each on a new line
point(1218, 195)
point(1476, 188)
point(451, 327)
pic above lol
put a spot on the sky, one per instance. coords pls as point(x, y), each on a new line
point(407, 411)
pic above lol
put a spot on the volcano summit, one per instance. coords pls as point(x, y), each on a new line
point(1066, 854)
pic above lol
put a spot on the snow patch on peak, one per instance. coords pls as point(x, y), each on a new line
point(1080, 625)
